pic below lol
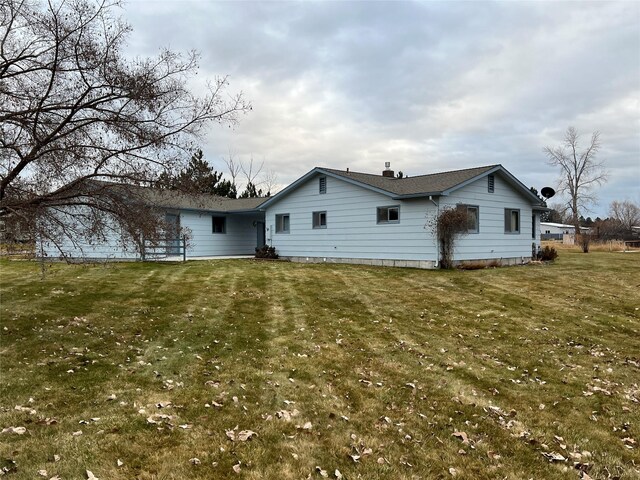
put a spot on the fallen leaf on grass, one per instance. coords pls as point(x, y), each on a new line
point(194, 461)
point(242, 435)
point(338, 474)
point(16, 430)
point(236, 467)
point(245, 435)
point(42, 473)
point(453, 472)
point(462, 436)
point(119, 462)
point(158, 417)
point(47, 421)
point(90, 475)
point(28, 410)
point(323, 473)
point(554, 457)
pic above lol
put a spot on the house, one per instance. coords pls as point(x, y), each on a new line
point(341, 216)
point(349, 217)
point(214, 226)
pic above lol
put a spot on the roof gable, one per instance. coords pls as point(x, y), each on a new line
point(435, 184)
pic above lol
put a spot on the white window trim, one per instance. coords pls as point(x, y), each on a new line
point(513, 232)
point(279, 229)
point(319, 226)
point(387, 222)
point(477, 208)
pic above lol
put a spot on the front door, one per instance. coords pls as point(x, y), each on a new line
point(173, 234)
point(261, 234)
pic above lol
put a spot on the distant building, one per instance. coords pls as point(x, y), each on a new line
point(556, 231)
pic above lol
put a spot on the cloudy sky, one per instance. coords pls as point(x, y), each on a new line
point(427, 86)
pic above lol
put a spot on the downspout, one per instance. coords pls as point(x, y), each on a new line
point(436, 239)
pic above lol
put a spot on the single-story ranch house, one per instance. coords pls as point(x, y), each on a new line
point(341, 216)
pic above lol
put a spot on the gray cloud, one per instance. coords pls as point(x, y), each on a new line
point(428, 86)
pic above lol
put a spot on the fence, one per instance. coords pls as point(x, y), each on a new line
point(164, 249)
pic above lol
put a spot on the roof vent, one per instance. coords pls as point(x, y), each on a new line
point(387, 172)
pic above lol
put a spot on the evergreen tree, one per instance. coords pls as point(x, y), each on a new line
point(198, 177)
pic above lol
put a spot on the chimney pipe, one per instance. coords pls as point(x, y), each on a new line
point(387, 172)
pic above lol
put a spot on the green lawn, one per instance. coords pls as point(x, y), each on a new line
point(351, 371)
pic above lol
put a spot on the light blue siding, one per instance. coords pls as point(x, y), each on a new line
point(240, 237)
point(492, 242)
point(352, 231)
point(114, 246)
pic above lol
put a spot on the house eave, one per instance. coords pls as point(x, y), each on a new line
point(209, 211)
point(409, 196)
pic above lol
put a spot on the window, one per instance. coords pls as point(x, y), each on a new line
point(218, 224)
point(388, 214)
point(491, 183)
point(319, 219)
point(282, 223)
point(473, 217)
point(322, 185)
point(511, 220)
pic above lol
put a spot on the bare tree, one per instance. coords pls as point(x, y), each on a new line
point(580, 172)
point(251, 171)
point(270, 182)
point(233, 166)
point(74, 110)
point(626, 213)
point(255, 181)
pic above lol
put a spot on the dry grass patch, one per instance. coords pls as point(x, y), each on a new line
point(245, 369)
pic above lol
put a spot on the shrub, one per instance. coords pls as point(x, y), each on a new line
point(450, 224)
point(548, 254)
point(584, 240)
point(266, 252)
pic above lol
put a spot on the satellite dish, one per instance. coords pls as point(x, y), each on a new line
point(547, 192)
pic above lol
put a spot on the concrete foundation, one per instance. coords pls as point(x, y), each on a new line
point(423, 264)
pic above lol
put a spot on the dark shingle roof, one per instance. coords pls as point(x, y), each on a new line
point(175, 199)
point(187, 201)
point(421, 184)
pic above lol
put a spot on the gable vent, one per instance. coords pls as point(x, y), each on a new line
point(322, 185)
point(491, 183)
